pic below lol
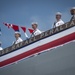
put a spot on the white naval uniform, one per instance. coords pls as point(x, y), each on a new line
point(1, 48)
point(60, 22)
point(18, 41)
point(36, 32)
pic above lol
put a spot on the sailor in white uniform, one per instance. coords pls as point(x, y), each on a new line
point(18, 38)
point(36, 30)
point(58, 21)
point(0, 47)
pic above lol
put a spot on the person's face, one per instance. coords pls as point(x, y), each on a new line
point(17, 35)
point(58, 17)
point(34, 26)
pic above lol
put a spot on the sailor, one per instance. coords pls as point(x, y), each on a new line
point(18, 37)
point(0, 47)
point(58, 21)
point(35, 28)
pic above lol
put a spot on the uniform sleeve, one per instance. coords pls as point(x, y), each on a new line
point(20, 40)
point(61, 23)
point(37, 32)
point(1, 48)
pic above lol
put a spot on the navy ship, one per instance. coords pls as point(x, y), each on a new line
point(50, 53)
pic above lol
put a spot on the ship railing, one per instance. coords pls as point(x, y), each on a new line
point(43, 35)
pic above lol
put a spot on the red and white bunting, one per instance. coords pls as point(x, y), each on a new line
point(15, 27)
point(31, 30)
point(24, 30)
point(8, 25)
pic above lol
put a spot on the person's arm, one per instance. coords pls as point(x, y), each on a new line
point(13, 42)
point(61, 23)
point(1, 48)
point(54, 25)
point(38, 32)
point(32, 35)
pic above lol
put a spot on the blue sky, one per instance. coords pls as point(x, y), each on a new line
point(24, 12)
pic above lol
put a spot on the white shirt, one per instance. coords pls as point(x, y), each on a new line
point(1, 48)
point(60, 22)
point(36, 32)
point(18, 41)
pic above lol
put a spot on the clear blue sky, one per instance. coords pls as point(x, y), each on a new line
point(23, 12)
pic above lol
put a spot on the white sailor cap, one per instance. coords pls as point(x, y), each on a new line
point(58, 13)
point(73, 8)
point(34, 23)
point(17, 32)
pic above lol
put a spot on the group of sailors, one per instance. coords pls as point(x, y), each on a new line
point(36, 31)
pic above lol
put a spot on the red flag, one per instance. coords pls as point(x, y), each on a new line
point(23, 28)
point(30, 30)
point(15, 27)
